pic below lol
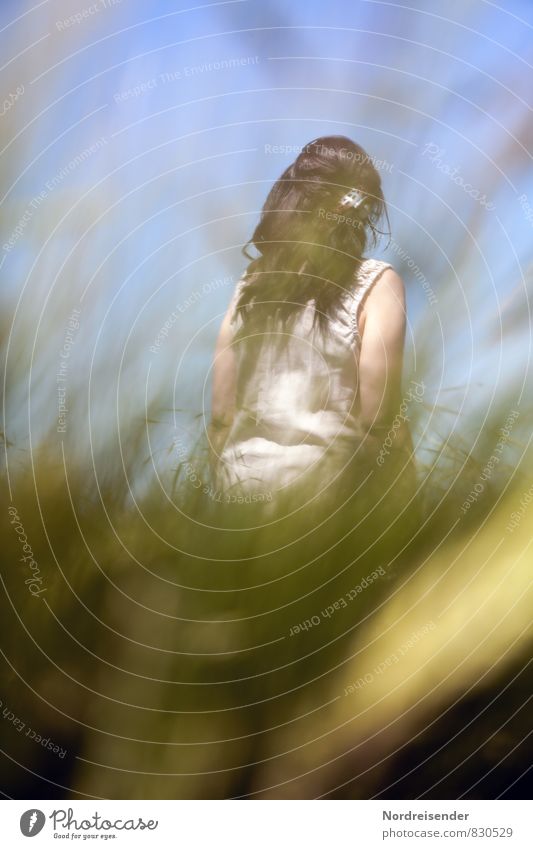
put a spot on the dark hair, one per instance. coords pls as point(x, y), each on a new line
point(309, 246)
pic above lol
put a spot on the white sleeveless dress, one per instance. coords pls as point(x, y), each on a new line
point(297, 407)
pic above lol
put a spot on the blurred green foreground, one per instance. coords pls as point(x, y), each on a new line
point(374, 643)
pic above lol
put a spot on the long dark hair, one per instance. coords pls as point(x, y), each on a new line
point(309, 245)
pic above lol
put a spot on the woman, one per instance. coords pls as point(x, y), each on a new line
point(308, 361)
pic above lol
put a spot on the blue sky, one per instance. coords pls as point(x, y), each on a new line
point(162, 117)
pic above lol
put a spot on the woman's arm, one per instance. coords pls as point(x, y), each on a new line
point(224, 387)
point(383, 322)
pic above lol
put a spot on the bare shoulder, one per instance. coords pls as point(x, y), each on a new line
point(384, 304)
point(389, 288)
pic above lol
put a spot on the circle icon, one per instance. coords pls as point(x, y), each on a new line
point(32, 822)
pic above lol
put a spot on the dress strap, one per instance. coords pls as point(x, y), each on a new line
point(368, 273)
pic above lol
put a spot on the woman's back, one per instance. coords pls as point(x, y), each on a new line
point(296, 395)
